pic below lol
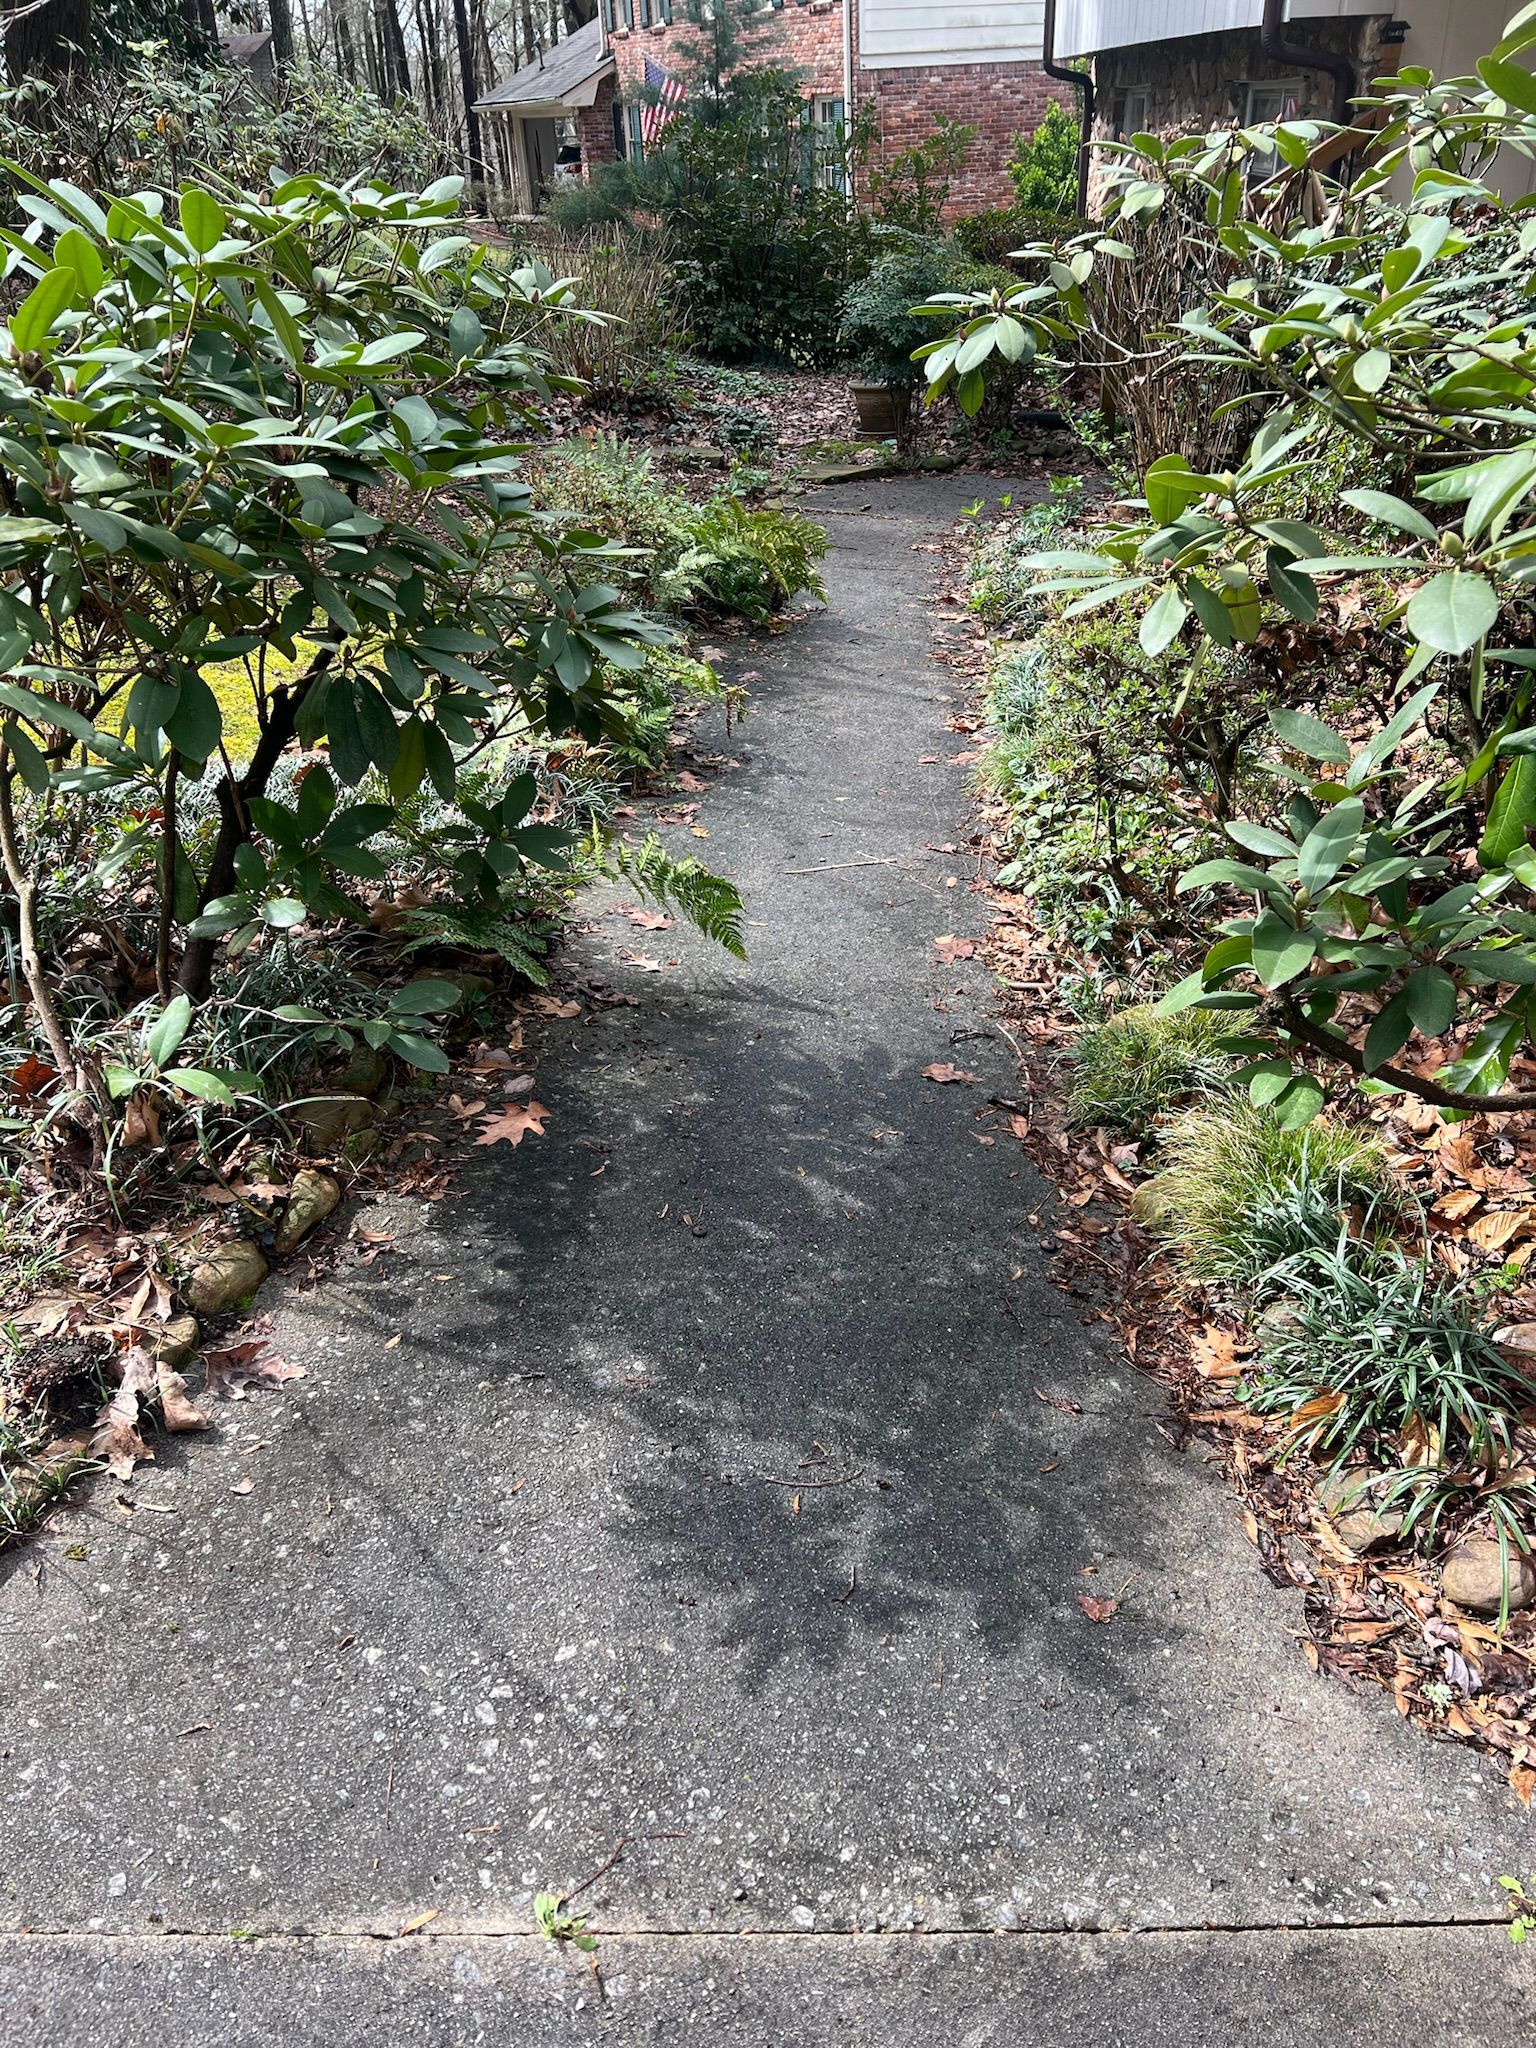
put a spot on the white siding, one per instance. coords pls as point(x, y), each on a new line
point(894, 34)
point(1084, 26)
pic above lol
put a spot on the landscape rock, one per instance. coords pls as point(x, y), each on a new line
point(364, 1074)
point(176, 1343)
point(363, 1144)
point(1351, 1506)
point(224, 1279)
point(1474, 1575)
point(1152, 1205)
point(48, 1474)
point(329, 1120)
point(310, 1200)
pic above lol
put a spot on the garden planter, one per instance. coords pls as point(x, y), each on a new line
point(882, 408)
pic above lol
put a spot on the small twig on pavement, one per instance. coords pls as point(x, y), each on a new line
point(883, 860)
point(602, 1870)
point(843, 1479)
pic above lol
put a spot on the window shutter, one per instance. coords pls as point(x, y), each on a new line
point(608, 15)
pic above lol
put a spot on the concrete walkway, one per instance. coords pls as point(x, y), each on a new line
point(534, 1579)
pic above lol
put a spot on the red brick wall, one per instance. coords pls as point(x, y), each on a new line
point(803, 35)
point(594, 128)
point(1002, 100)
point(807, 36)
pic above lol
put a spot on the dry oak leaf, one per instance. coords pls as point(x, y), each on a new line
point(551, 1006)
point(950, 948)
point(228, 1369)
point(649, 920)
point(1214, 1352)
point(115, 1439)
point(1098, 1609)
point(176, 1405)
point(511, 1126)
point(946, 1070)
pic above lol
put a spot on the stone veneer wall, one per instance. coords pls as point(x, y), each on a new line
point(1196, 83)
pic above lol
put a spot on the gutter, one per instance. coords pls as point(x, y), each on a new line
point(1275, 43)
point(1084, 81)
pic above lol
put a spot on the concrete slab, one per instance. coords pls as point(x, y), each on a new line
point(715, 1493)
point(1436, 1988)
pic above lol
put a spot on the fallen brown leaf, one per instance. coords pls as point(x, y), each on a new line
point(945, 1070)
point(511, 1126)
point(1098, 1609)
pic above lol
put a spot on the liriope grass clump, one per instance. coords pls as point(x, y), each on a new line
point(1240, 1194)
point(1137, 1066)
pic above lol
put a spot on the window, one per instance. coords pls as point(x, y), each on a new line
point(829, 163)
point(1133, 113)
point(1275, 100)
point(1272, 100)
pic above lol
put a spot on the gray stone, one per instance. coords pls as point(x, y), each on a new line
point(176, 1342)
point(1348, 1499)
point(328, 1120)
point(1152, 1204)
point(366, 1071)
point(226, 1277)
point(1475, 1573)
point(363, 1144)
point(469, 981)
point(311, 1199)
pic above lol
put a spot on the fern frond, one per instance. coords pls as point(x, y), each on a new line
point(709, 902)
point(480, 931)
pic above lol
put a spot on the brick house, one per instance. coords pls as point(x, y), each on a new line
point(914, 61)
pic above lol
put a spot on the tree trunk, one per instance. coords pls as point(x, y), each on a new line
point(282, 34)
point(49, 42)
point(198, 955)
point(392, 47)
point(474, 161)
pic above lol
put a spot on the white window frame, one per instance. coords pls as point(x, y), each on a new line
point(1287, 93)
point(1135, 124)
point(831, 171)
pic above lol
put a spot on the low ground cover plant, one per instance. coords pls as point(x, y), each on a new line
point(1137, 1065)
point(686, 556)
point(1240, 1192)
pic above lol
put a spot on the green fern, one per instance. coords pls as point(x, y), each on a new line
point(479, 930)
point(709, 902)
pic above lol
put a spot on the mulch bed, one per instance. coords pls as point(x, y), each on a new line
point(1373, 1621)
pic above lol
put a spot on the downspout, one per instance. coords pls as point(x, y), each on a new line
point(1083, 79)
point(1274, 43)
point(848, 7)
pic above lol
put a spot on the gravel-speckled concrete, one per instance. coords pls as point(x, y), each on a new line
point(1356, 1989)
point(533, 1578)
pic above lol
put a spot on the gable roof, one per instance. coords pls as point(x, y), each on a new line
point(567, 75)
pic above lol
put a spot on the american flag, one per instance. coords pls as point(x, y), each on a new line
point(670, 93)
